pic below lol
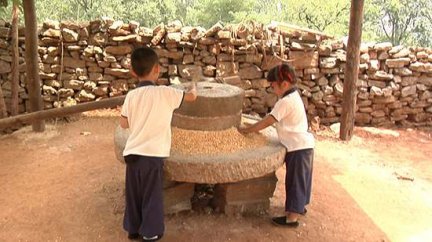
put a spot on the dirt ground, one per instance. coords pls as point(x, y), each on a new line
point(66, 185)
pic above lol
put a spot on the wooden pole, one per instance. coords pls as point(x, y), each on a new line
point(3, 109)
point(32, 62)
point(351, 71)
point(15, 60)
point(3, 112)
point(60, 112)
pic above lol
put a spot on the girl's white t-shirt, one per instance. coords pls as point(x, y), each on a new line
point(292, 125)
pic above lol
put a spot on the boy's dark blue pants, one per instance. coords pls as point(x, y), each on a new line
point(144, 199)
point(298, 179)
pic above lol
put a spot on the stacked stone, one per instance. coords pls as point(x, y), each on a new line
point(82, 62)
point(322, 80)
point(395, 85)
point(216, 54)
point(253, 64)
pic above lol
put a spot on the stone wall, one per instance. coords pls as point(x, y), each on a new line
point(82, 62)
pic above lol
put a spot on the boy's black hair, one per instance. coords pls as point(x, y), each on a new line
point(143, 60)
point(280, 73)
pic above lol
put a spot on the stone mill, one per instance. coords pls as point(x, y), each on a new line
point(242, 179)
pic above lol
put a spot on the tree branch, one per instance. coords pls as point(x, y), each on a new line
point(407, 23)
point(383, 27)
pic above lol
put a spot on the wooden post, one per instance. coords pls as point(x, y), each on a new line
point(15, 60)
point(32, 63)
point(3, 112)
point(60, 112)
point(351, 71)
point(282, 46)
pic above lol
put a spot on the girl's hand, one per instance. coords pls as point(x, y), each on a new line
point(244, 128)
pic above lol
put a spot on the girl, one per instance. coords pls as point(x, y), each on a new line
point(292, 128)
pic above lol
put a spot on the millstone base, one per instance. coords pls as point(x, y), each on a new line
point(249, 197)
point(177, 198)
point(245, 197)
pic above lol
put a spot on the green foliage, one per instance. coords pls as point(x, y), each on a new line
point(6, 8)
point(397, 21)
point(3, 3)
point(209, 12)
point(400, 21)
point(326, 16)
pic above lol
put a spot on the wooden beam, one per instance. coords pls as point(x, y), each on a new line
point(32, 62)
point(290, 27)
point(351, 71)
point(60, 112)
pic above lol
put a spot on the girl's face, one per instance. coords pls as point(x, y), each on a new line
point(280, 87)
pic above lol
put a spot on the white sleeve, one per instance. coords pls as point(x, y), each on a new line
point(280, 110)
point(124, 110)
point(174, 97)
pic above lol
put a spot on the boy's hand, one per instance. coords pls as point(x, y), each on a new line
point(124, 122)
point(191, 94)
point(194, 91)
point(193, 87)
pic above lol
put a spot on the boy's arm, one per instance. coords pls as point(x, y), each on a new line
point(191, 94)
point(260, 125)
point(124, 114)
point(124, 122)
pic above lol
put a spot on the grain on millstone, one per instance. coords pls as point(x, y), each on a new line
point(214, 142)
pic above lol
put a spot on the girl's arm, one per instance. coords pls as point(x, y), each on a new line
point(260, 125)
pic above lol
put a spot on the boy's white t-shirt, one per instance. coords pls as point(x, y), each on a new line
point(149, 111)
point(292, 125)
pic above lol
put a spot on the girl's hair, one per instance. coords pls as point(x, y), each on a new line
point(281, 73)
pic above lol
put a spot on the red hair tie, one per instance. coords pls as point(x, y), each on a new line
point(289, 77)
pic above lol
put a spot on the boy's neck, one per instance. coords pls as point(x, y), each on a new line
point(146, 78)
point(145, 81)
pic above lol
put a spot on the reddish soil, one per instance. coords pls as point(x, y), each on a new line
point(66, 185)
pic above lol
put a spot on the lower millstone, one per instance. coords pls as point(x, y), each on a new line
point(235, 166)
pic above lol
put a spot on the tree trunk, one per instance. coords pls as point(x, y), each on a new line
point(15, 60)
point(351, 71)
point(32, 65)
point(3, 113)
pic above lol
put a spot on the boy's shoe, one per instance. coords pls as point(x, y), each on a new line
point(154, 238)
point(281, 221)
point(133, 236)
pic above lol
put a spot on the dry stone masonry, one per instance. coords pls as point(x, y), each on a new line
point(82, 62)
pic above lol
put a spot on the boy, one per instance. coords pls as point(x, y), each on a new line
point(292, 128)
point(147, 112)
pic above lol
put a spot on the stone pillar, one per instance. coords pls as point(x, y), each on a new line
point(177, 197)
point(245, 197)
